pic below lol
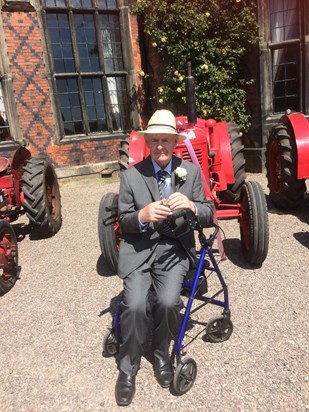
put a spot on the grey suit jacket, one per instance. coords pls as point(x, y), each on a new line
point(138, 188)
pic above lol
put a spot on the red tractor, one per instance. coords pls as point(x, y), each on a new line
point(217, 148)
point(27, 185)
point(287, 160)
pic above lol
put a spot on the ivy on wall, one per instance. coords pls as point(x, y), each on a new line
point(216, 36)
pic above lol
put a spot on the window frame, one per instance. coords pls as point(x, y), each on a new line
point(127, 58)
point(268, 117)
point(9, 98)
point(285, 44)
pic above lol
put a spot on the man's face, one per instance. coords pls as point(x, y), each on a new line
point(161, 147)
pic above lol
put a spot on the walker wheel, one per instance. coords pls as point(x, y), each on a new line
point(218, 329)
point(185, 374)
point(110, 344)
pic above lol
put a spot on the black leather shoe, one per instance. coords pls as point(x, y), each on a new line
point(163, 372)
point(125, 389)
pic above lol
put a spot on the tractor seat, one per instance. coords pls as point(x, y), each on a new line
point(4, 164)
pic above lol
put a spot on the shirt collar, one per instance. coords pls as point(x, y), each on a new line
point(168, 168)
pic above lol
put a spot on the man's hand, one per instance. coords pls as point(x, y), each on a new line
point(154, 212)
point(179, 201)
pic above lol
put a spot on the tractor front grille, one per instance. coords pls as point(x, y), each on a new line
point(200, 153)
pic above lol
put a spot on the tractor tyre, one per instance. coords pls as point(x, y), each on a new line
point(285, 190)
point(109, 230)
point(232, 193)
point(9, 271)
point(124, 154)
point(42, 201)
point(254, 227)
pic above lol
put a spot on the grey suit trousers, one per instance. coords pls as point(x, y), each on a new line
point(165, 271)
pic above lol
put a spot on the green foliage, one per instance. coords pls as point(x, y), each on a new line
point(215, 35)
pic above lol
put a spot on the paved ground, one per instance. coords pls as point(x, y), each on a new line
point(54, 319)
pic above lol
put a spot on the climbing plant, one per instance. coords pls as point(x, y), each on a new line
point(216, 37)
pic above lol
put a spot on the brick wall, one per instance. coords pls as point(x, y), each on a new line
point(32, 94)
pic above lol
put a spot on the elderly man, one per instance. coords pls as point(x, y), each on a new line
point(149, 192)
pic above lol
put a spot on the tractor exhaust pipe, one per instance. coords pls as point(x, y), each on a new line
point(190, 95)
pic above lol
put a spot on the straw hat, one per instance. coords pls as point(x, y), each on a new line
point(162, 122)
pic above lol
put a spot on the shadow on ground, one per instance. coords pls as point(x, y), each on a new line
point(22, 230)
point(103, 268)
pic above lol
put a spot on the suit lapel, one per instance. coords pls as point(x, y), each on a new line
point(176, 162)
point(147, 171)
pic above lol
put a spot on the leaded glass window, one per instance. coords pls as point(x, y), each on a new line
point(88, 67)
point(285, 51)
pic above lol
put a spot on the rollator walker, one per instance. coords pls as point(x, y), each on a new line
point(218, 329)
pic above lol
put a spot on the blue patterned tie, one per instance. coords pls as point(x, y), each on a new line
point(161, 177)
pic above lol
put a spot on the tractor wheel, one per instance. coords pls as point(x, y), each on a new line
point(232, 193)
point(124, 154)
point(9, 269)
point(254, 228)
point(109, 230)
point(42, 200)
point(286, 191)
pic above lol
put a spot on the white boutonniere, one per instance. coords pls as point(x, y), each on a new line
point(180, 175)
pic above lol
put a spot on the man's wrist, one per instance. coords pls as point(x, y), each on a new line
point(143, 225)
point(140, 219)
point(194, 208)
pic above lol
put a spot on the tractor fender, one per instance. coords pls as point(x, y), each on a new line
point(300, 125)
point(222, 142)
point(137, 149)
point(20, 156)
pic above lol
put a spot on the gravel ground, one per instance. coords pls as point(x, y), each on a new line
point(54, 319)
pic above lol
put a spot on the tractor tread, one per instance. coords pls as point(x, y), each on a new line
point(285, 189)
point(42, 196)
point(232, 194)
